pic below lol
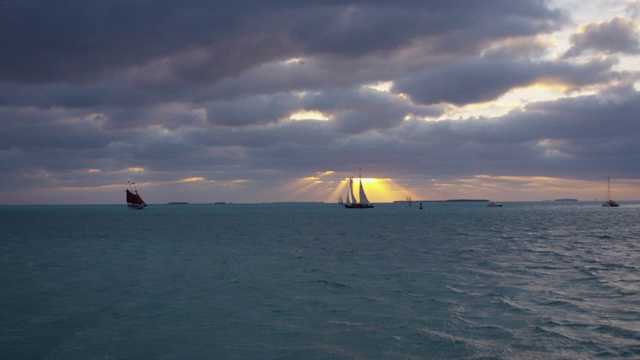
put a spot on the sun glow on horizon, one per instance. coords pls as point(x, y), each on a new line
point(326, 187)
point(380, 190)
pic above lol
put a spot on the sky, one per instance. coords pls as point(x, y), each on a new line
point(265, 101)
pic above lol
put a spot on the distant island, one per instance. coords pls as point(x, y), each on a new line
point(566, 200)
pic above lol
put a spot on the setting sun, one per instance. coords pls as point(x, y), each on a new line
point(377, 190)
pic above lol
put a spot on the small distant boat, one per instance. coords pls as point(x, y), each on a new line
point(134, 200)
point(493, 204)
point(409, 200)
point(351, 202)
point(609, 202)
point(420, 206)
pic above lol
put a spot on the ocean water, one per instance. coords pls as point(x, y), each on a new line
point(540, 280)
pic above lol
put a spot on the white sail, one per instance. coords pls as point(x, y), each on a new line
point(348, 197)
point(353, 196)
point(363, 196)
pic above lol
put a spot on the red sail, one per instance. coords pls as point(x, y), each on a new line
point(133, 198)
point(139, 200)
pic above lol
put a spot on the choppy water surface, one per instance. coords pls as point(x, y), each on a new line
point(317, 281)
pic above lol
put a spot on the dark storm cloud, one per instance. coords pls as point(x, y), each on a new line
point(127, 53)
point(619, 35)
point(83, 41)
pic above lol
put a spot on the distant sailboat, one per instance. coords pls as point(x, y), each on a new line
point(351, 202)
point(134, 200)
point(609, 202)
point(409, 200)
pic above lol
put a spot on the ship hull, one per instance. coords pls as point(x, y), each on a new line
point(359, 206)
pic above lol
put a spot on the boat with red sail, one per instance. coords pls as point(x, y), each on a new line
point(134, 200)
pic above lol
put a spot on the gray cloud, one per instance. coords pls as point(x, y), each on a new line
point(486, 78)
point(91, 91)
point(201, 40)
point(619, 35)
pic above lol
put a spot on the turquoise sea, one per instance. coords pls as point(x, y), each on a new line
point(537, 280)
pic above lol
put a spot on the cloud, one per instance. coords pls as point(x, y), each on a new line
point(100, 91)
point(486, 78)
point(619, 35)
point(200, 40)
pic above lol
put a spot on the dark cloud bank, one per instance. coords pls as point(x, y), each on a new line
point(198, 89)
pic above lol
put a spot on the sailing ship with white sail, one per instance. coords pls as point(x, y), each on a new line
point(351, 202)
